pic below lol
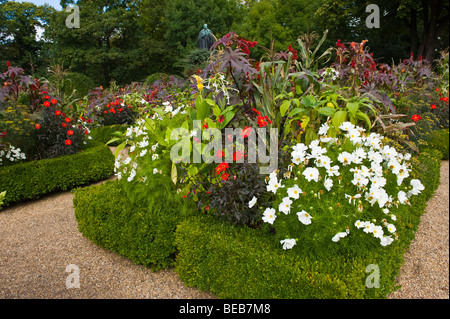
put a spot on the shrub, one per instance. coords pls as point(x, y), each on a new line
point(104, 134)
point(241, 262)
point(32, 180)
point(141, 230)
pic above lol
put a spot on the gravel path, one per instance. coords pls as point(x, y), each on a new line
point(40, 239)
point(424, 275)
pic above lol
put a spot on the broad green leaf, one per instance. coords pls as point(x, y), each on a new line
point(327, 111)
point(120, 148)
point(338, 118)
point(353, 107)
point(363, 116)
point(296, 111)
point(284, 107)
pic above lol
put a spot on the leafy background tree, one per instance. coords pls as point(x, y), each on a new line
point(128, 40)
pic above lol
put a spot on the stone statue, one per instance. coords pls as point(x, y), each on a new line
point(205, 38)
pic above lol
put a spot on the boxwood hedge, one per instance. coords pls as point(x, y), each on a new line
point(31, 180)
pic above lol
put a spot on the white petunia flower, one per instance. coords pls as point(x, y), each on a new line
point(304, 217)
point(252, 202)
point(288, 243)
point(269, 215)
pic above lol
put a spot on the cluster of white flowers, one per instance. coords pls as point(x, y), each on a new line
point(369, 179)
point(127, 166)
point(12, 154)
point(220, 85)
point(169, 109)
point(330, 73)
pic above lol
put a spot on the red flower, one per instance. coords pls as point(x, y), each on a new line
point(416, 117)
point(54, 101)
point(437, 89)
point(246, 132)
point(263, 121)
point(8, 63)
point(221, 168)
point(63, 124)
point(67, 119)
point(68, 142)
point(86, 132)
point(221, 119)
point(70, 132)
point(220, 153)
point(237, 156)
point(205, 125)
point(46, 97)
point(433, 106)
point(37, 126)
point(46, 103)
point(225, 176)
point(57, 112)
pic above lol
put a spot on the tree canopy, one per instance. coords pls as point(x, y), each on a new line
point(127, 40)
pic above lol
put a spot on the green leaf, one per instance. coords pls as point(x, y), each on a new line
point(327, 111)
point(284, 107)
point(203, 108)
point(120, 148)
point(174, 173)
point(296, 111)
point(363, 116)
point(338, 118)
point(353, 107)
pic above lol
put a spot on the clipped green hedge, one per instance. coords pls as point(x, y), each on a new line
point(143, 230)
point(240, 262)
point(31, 180)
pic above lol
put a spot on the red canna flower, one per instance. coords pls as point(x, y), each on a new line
point(37, 126)
point(416, 117)
point(68, 142)
point(70, 132)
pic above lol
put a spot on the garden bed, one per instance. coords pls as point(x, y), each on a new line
point(237, 261)
point(31, 180)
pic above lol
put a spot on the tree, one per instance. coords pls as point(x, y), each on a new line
point(19, 24)
point(406, 26)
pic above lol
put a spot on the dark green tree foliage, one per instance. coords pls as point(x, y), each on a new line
point(106, 46)
point(19, 24)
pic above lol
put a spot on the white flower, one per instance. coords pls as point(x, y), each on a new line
point(288, 243)
point(269, 215)
point(333, 170)
point(273, 185)
point(285, 205)
point(378, 181)
point(377, 232)
point(352, 198)
point(154, 147)
point(328, 183)
point(143, 144)
point(338, 236)
point(127, 161)
point(402, 198)
point(391, 228)
point(354, 135)
point(132, 148)
point(294, 192)
point(368, 227)
point(252, 202)
point(386, 240)
point(311, 173)
point(132, 175)
point(375, 156)
point(143, 152)
point(359, 224)
point(323, 161)
point(304, 217)
point(155, 156)
point(346, 126)
point(417, 187)
point(298, 157)
point(345, 158)
point(360, 180)
point(300, 148)
point(323, 129)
